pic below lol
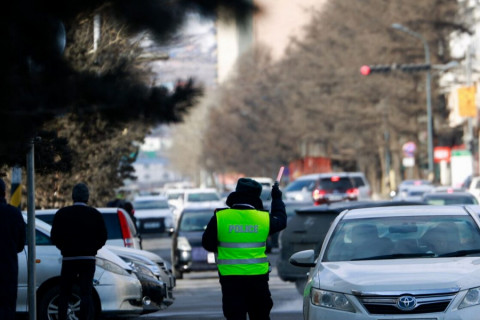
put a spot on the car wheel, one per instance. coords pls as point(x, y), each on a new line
point(48, 304)
point(300, 285)
point(177, 273)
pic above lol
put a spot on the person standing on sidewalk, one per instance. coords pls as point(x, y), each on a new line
point(12, 241)
point(78, 231)
point(238, 235)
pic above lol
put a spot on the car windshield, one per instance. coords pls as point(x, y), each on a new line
point(335, 184)
point(195, 221)
point(298, 185)
point(403, 237)
point(150, 204)
point(204, 196)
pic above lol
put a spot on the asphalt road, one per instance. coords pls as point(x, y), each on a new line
point(198, 295)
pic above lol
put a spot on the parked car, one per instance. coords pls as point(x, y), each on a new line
point(307, 228)
point(448, 198)
point(153, 214)
point(157, 265)
point(117, 290)
point(187, 251)
point(121, 229)
point(329, 187)
point(413, 262)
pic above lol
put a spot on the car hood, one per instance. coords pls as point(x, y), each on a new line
point(107, 254)
point(135, 253)
point(398, 275)
point(152, 213)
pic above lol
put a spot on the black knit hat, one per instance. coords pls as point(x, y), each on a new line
point(247, 192)
point(80, 193)
point(249, 187)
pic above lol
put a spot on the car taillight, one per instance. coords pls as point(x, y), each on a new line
point(352, 193)
point(318, 194)
point(126, 234)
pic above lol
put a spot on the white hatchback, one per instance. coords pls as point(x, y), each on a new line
point(407, 262)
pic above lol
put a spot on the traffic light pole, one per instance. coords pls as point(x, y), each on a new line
point(431, 172)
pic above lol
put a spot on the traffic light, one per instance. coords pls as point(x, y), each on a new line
point(383, 68)
point(414, 67)
point(366, 69)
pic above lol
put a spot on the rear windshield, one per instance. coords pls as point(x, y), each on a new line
point(338, 184)
point(112, 223)
point(298, 185)
point(199, 197)
point(451, 200)
point(195, 221)
point(150, 204)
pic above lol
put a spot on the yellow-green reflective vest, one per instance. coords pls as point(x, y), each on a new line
point(242, 236)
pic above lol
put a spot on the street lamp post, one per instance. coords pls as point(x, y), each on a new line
point(431, 172)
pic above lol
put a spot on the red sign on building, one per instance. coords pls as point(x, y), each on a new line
point(441, 154)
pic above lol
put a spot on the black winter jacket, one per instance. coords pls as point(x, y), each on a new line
point(78, 230)
point(12, 241)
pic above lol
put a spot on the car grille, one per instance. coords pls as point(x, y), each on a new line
point(424, 303)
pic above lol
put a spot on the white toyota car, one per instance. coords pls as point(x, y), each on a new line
point(392, 263)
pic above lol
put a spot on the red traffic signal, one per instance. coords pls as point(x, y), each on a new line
point(365, 70)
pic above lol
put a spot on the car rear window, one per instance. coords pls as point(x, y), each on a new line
point(195, 221)
point(199, 197)
point(150, 204)
point(335, 183)
point(298, 185)
point(359, 182)
point(112, 223)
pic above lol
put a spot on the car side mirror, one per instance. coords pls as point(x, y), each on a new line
point(304, 258)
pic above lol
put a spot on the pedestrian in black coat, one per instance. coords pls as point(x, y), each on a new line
point(78, 231)
point(12, 241)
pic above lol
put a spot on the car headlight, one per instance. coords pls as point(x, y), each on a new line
point(111, 266)
point(143, 269)
point(472, 298)
point(328, 299)
point(183, 244)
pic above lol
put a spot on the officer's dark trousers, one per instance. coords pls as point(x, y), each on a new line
point(246, 294)
point(77, 272)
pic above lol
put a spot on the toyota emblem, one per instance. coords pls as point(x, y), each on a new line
point(406, 303)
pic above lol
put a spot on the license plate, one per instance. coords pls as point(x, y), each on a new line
point(151, 225)
point(211, 257)
point(335, 197)
point(199, 254)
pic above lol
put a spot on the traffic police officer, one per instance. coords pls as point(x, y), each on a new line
point(238, 235)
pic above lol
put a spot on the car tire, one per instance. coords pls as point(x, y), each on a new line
point(178, 274)
point(300, 285)
point(47, 308)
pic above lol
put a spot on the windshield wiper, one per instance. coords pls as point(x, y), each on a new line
point(460, 253)
point(398, 256)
